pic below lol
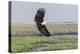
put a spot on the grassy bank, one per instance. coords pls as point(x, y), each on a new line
point(37, 43)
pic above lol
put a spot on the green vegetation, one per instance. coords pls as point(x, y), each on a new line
point(42, 43)
point(37, 43)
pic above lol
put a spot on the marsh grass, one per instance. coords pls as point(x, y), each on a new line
point(28, 44)
point(43, 43)
point(51, 27)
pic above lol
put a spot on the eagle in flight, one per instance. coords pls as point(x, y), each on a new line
point(39, 19)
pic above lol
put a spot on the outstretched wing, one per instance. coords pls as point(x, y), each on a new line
point(39, 18)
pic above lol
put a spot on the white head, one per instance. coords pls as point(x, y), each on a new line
point(44, 23)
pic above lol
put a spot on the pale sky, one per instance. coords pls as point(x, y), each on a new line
point(24, 12)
